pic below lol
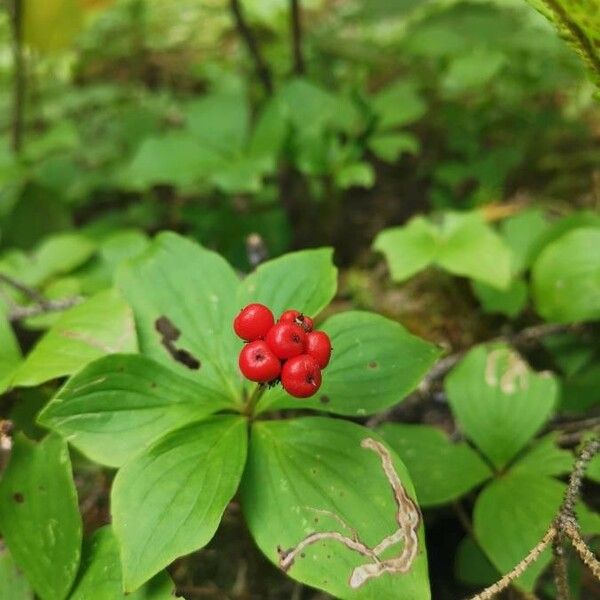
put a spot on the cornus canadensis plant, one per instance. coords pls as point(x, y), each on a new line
point(188, 423)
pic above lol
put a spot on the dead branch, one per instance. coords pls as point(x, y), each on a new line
point(260, 65)
point(565, 526)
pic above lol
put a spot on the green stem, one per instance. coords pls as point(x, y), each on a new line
point(256, 395)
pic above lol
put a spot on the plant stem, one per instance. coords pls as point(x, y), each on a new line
point(19, 81)
point(256, 395)
point(296, 30)
point(260, 65)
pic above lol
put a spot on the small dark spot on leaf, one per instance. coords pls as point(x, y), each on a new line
point(169, 334)
point(302, 555)
point(316, 519)
point(313, 471)
point(121, 369)
point(189, 360)
point(18, 497)
point(324, 399)
point(373, 364)
point(167, 330)
point(153, 384)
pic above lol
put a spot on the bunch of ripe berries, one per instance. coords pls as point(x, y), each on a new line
point(288, 351)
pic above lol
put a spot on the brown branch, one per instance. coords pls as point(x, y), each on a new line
point(296, 32)
point(41, 305)
point(260, 65)
point(28, 291)
point(519, 569)
point(561, 580)
point(19, 313)
point(564, 525)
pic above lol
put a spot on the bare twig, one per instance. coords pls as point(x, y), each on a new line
point(561, 581)
point(296, 33)
point(28, 291)
point(42, 305)
point(564, 526)
point(20, 76)
point(260, 65)
point(519, 569)
point(19, 313)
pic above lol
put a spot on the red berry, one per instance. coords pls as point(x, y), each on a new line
point(258, 363)
point(294, 316)
point(301, 376)
point(318, 345)
point(253, 322)
point(286, 340)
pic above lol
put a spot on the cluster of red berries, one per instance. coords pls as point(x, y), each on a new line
point(288, 350)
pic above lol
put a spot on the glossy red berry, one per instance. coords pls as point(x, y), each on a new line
point(301, 376)
point(294, 316)
point(253, 322)
point(318, 345)
point(258, 363)
point(286, 340)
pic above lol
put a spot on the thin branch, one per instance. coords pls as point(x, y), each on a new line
point(296, 32)
point(582, 549)
point(561, 580)
point(564, 525)
point(20, 77)
point(519, 569)
point(19, 313)
point(260, 65)
point(30, 292)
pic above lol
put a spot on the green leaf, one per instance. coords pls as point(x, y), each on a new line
point(593, 469)
point(472, 249)
point(375, 363)
point(509, 302)
point(358, 174)
point(463, 244)
point(189, 290)
point(389, 146)
point(566, 278)
point(39, 517)
point(100, 574)
point(118, 404)
point(408, 249)
point(269, 133)
point(13, 586)
point(10, 352)
point(545, 458)
point(468, 72)
point(498, 401)
point(511, 516)
point(577, 21)
point(168, 501)
point(472, 566)
point(61, 254)
point(308, 106)
point(219, 121)
point(99, 326)
point(305, 281)
point(174, 158)
point(398, 104)
point(441, 470)
point(301, 479)
point(522, 233)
